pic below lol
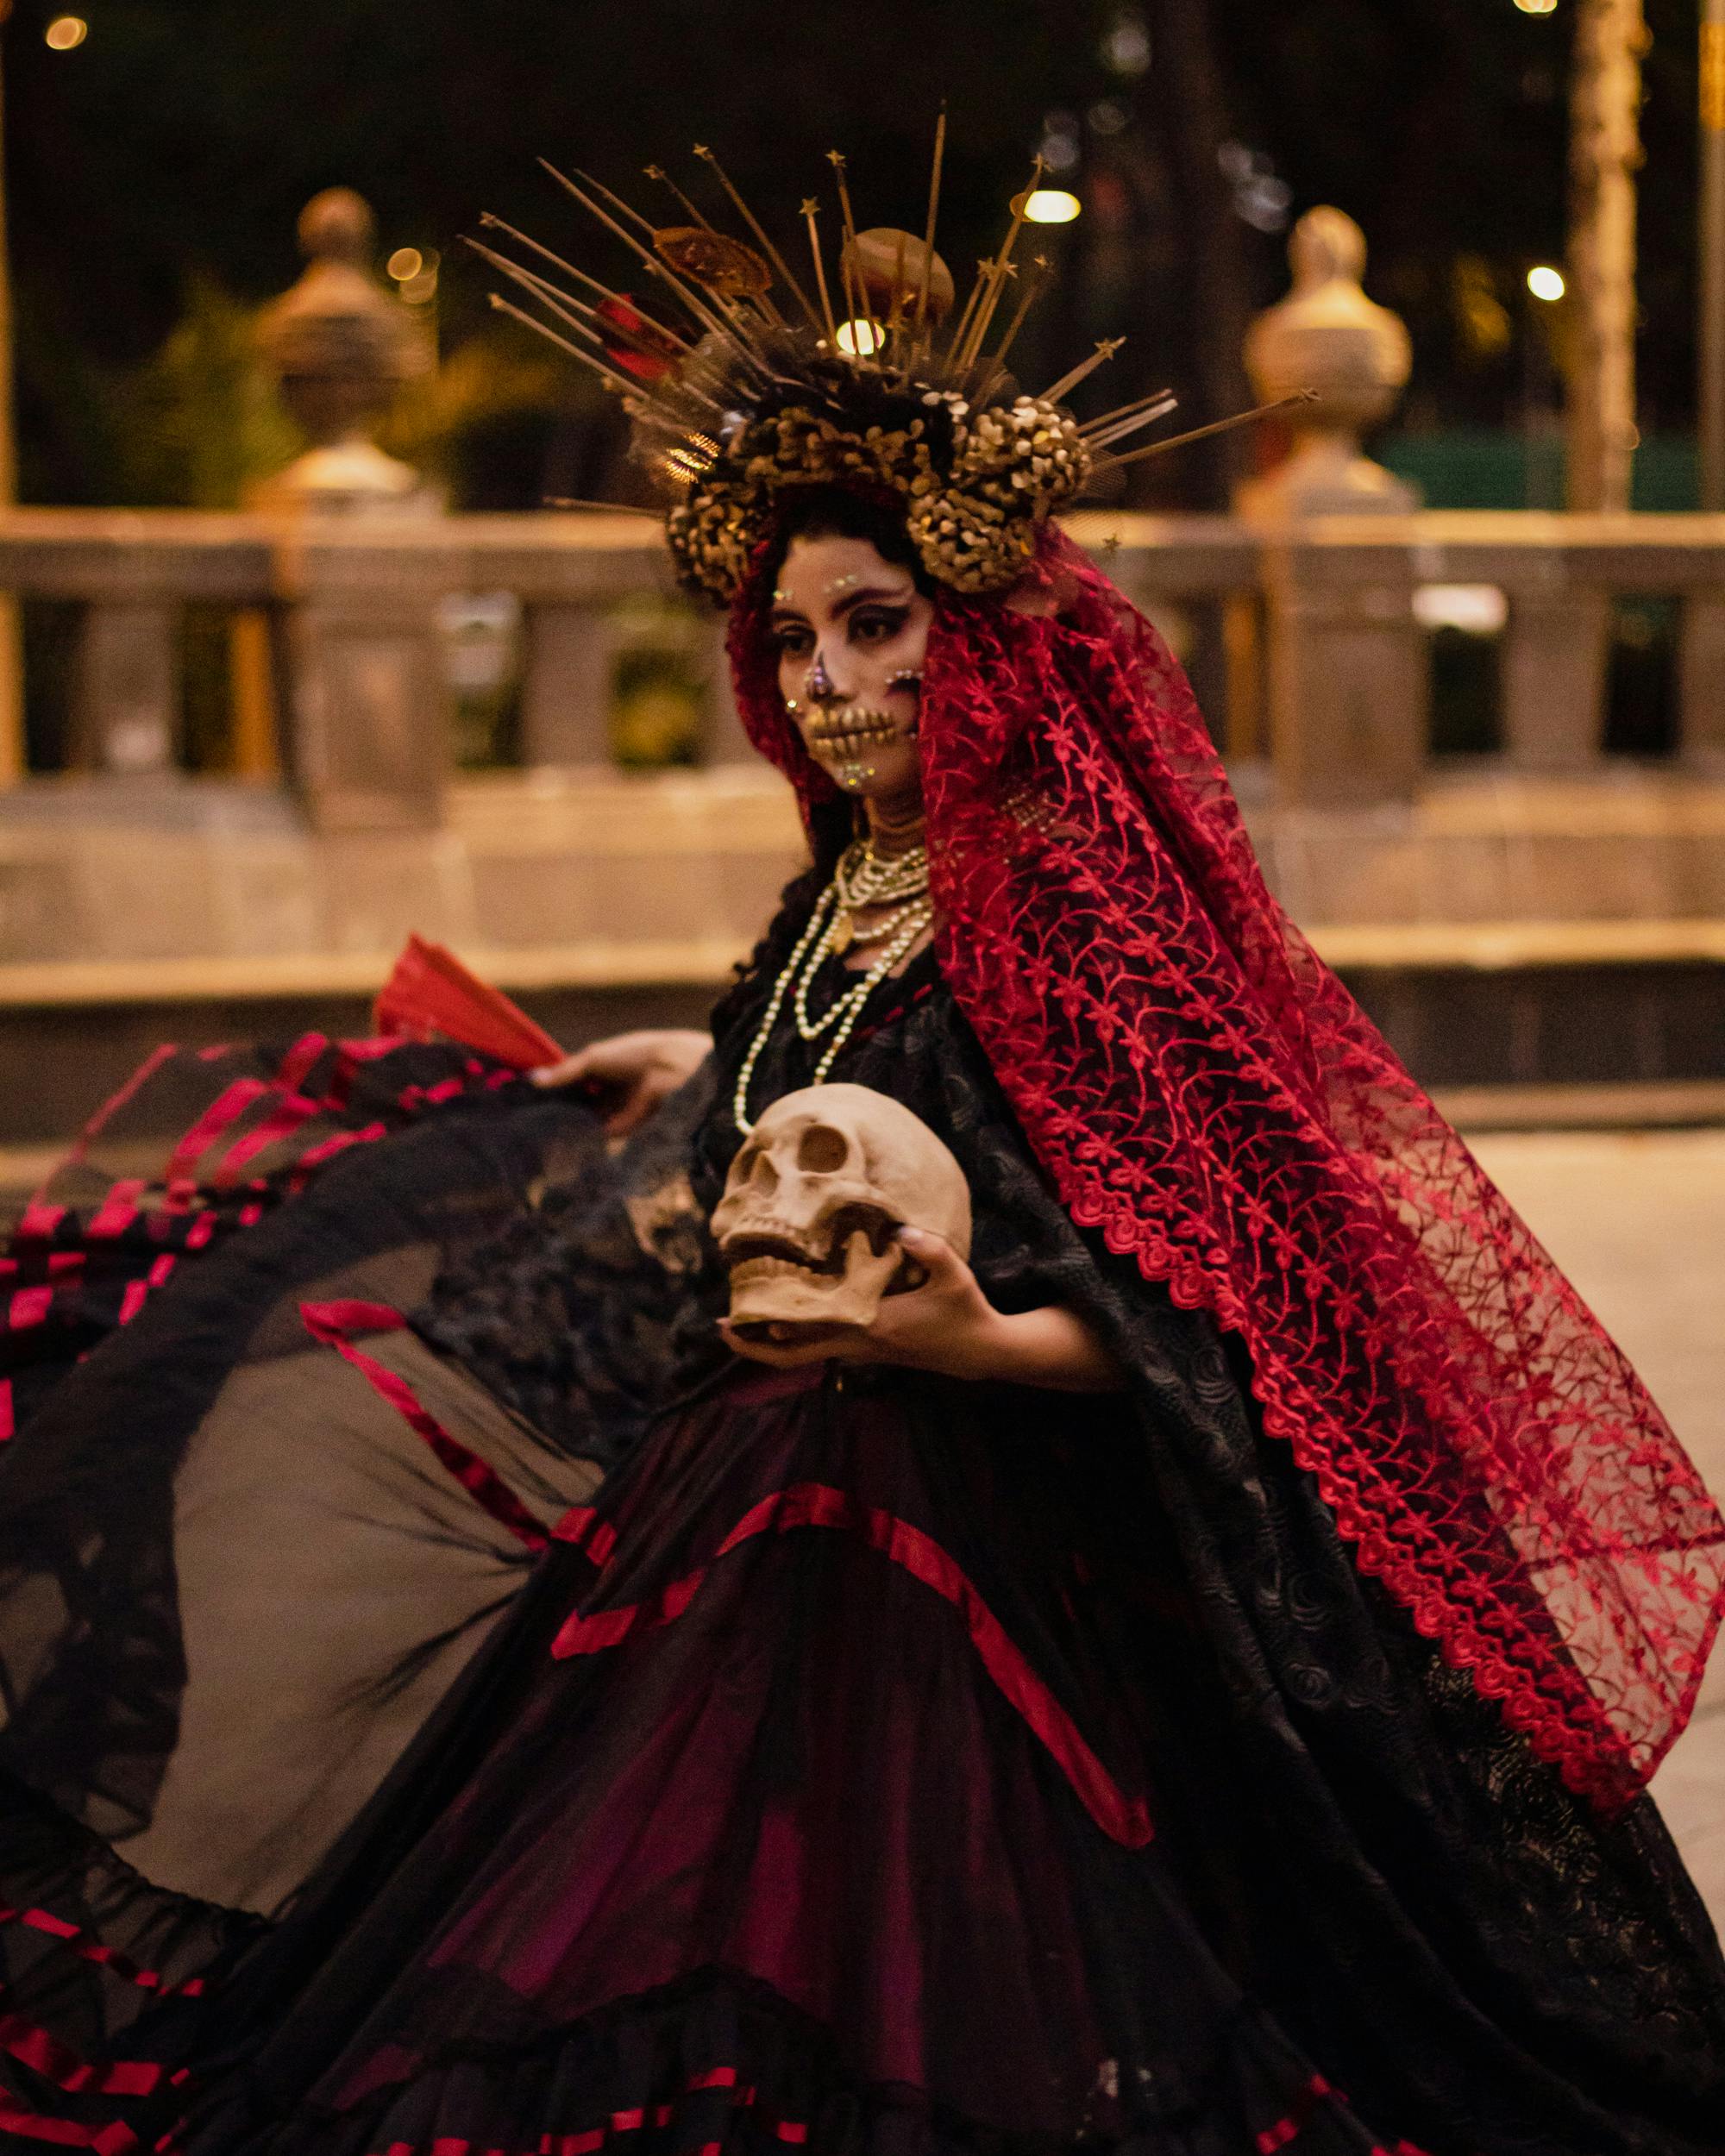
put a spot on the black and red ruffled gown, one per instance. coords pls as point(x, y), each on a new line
point(868, 1763)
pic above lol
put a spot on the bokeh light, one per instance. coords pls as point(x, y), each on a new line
point(1537, 7)
point(859, 338)
point(1545, 283)
point(1052, 205)
point(1127, 47)
point(64, 32)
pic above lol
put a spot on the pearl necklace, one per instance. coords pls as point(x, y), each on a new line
point(828, 932)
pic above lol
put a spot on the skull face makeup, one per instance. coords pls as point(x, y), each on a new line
point(851, 631)
point(806, 1224)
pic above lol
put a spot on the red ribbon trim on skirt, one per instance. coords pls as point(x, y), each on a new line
point(109, 1957)
point(1124, 1819)
point(58, 2063)
point(64, 2133)
point(334, 1324)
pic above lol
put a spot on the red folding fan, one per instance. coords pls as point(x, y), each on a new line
point(431, 992)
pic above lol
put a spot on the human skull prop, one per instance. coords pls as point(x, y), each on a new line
point(807, 1223)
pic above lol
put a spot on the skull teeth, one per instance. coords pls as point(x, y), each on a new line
point(752, 1268)
point(849, 742)
point(757, 1255)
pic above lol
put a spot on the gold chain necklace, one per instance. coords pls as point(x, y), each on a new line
point(901, 883)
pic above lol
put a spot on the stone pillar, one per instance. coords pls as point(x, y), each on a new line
point(1555, 647)
point(1349, 674)
point(369, 709)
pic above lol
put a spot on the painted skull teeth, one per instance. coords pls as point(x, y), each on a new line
point(847, 737)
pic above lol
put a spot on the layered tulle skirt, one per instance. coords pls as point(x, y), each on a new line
point(822, 1789)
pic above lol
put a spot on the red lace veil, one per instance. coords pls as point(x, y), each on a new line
point(1204, 1093)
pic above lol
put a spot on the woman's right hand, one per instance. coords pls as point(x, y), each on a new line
point(630, 1074)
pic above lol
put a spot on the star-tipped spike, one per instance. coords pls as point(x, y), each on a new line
point(694, 215)
point(755, 225)
point(997, 280)
point(811, 213)
point(1105, 349)
point(928, 232)
point(493, 223)
point(1200, 434)
point(855, 301)
point(1129, 419)
point(607, 374)
point(709, 317)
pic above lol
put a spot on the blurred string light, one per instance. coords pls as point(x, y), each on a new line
point(1110, 116)
point(415, 273)
point(1059, 147)
point(64, 32)
point(1126, 44)
point(1261, 197)
point(859, 338)
point(1545, 283)
point(1052, 205)
point(1537, 7)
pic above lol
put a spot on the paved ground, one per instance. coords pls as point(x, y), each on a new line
point(1638, 1221)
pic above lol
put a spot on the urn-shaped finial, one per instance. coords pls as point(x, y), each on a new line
point(1328, 338)
point(342, 347)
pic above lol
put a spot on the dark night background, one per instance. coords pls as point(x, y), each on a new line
point(156, 171)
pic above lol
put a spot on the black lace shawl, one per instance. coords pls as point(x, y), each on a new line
point(595, 1308)
point(1377, 1853)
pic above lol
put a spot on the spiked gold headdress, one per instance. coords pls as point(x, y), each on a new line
point(738, 402)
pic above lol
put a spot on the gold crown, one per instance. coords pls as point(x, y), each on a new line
point(741, 401)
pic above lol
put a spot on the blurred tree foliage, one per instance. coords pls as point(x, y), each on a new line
point(156, 172)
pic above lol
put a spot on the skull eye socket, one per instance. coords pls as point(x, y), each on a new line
point(821, 1150)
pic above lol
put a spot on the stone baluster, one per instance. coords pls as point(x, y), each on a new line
point(126, 688)
point(566, 689)
point(1348, 677)
point(369, 710)
point(1555, 648)
point(1701, 681)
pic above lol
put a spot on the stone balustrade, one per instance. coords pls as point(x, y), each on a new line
point(1318, 665)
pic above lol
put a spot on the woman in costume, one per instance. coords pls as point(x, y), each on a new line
point(1182, 1680)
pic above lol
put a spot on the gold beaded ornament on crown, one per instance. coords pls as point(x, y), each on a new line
point(748, 385)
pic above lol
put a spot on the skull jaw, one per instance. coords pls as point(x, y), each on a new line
point(775, 1291)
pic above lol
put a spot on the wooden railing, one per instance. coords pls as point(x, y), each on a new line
point(1312, 644)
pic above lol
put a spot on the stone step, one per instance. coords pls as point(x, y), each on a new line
point(1524, 1025)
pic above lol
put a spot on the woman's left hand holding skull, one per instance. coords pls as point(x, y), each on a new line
point(947, 1325)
